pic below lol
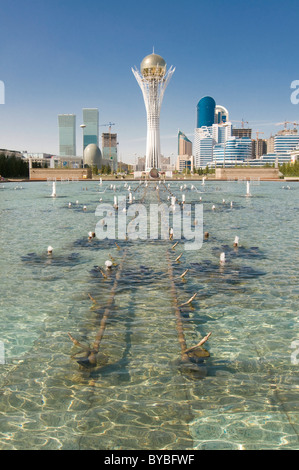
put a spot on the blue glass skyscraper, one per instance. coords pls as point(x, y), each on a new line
point(206, 112)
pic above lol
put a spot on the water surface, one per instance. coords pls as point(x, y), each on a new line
point(244, 396)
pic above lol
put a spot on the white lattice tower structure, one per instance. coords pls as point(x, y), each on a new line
point(153, 81)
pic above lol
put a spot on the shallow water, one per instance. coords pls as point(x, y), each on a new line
point(141, 396)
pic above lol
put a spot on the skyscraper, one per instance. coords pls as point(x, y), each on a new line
point(153, 81)
point(221, 114)
point(205, 138)
point(222, 132)
point(184, 144)
point(203, 146)
point(213, 127)
point(206, 112)
point(91, 129)
point(67, 134)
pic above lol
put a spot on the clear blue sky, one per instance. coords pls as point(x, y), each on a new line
point(58, 56)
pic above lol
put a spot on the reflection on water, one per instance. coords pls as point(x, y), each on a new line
point(241, 393)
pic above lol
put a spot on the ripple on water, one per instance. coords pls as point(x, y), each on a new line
point(245, 394)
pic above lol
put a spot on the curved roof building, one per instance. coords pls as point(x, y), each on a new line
point(221, 114)
point(206, 111)
point(92, 156)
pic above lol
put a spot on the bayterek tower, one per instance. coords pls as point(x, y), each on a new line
point(153, 80)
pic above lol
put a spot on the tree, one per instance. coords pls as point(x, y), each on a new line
point(290, 169)
point(13, 167)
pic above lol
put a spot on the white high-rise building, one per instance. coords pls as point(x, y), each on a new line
point(153, 81)
point(222, 132)
point(206, 138)
point(203, 146)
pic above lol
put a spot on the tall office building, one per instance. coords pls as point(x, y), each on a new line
point(109, 149)
point(213, 127)
point(222, 132)
point(206, 112)
point(203, 146)
point(67, 134)
point(91, 129)
point(221, 115)
point(204, 140)
point(184, 144)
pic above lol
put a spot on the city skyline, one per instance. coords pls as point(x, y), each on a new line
point(242, 57)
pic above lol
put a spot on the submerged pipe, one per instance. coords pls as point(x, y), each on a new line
point(179, 322)
point(91, 359)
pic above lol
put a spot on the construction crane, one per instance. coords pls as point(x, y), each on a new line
point(284, 123)
point(110, 125)
point(242, 122)
point(257, 134)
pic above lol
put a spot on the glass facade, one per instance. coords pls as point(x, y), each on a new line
point(221, 132)
point(284, 144)
point(206, 137)
point(221, 115)
point(91, 131)
point(234, 151)
point(67, 134)
point(270, 159)
point(206, 112)
point(184, 144)
point(203, 147)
